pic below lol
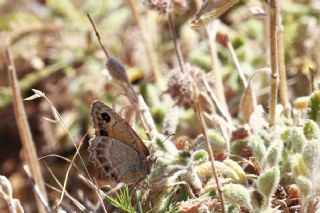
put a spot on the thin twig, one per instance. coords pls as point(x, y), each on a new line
point(274, 60)
point(70, 165)
point(99, 38)
point(36, 189)
point(198, 111)
point(236, 62)
point(175, 41)
point(215, 100)
point(24, 129)
point(75, 201)
point(311, 79)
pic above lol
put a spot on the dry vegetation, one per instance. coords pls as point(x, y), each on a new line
point(224, 94)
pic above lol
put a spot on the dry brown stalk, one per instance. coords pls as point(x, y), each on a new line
point(198, 111)
point(146, 37)
point(24, 129)
point(282, 68)
point(274, 59)
point(227, 43)
point(99, 37)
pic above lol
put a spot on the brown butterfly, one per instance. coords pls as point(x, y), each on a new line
point(116, 150)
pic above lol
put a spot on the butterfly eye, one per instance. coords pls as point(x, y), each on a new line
point(106, 117)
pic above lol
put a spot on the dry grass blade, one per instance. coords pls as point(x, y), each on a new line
point(36, 189)
point(225, 41)
point(248, 102)
point(75, 201)
point(23, 127)
point(68, 170)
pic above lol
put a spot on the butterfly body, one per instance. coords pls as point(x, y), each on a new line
point(116, 150)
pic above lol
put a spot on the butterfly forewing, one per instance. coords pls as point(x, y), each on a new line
point(116, 150)
point(108, 123)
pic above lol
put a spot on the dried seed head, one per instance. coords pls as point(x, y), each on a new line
point(162, 6)
point(117, 70)
point(180, 85)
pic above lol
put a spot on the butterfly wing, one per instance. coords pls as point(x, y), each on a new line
point(108, 123)
point(116, 160)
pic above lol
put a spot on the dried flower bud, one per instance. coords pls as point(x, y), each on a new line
point(117, 70)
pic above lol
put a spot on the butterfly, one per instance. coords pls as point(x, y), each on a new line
point(116, 150)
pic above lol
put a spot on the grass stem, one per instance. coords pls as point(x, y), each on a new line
point(24, 129)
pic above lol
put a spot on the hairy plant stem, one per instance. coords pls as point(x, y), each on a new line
point(24, 129)
point(146, 37)
point(198, 111)
point(282, 68)
point(274, 59)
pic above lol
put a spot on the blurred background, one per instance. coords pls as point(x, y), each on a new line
point(55, 51)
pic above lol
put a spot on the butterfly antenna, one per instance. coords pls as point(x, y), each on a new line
point(168, 136)
point(98, 37)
